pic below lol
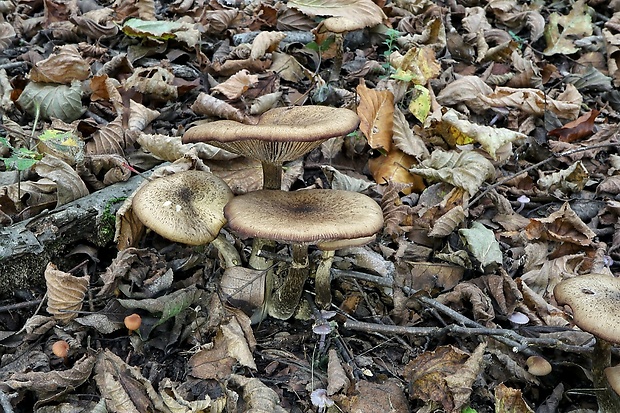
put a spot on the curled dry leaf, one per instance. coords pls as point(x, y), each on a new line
point(236, 85)
point(265, 102)
point(483, 245)
point(65, 293)
point(448, 222)
point(7, 34)
point(179, 398)
point(140, 116)
point(49, 383)
point(570, 180)
point(467, 90)
point(64, 66)
point(395, 167)
point(337, 378)
point(208, 105)
point(418, 65)
point(468, 293)
point(510, 400)
point(580, 128)
point(564, 225)
point(349, 14)
point(266, 42)
point(394, 211)
point(153, 81)
point(338, 180)
point(404, 138)
point(110, 139)
point(467, 170)
point(123, 387)
point(69, 186)
point(258, 397)
point(461, 382)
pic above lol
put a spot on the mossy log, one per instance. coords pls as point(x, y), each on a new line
point(26, 247)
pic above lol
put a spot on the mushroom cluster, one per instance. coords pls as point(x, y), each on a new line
point(281, 135)
point(191, 207)
point(328, 218)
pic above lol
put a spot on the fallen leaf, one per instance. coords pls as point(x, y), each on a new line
point(376, 112)
point(580, 128)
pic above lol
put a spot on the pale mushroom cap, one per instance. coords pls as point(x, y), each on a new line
point(312, 216)
point(538, 366)
point(281, 134)
point(186, 207)
point(612, 374)
point(594, 300)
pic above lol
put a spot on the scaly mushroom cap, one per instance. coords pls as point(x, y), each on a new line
point(594, 299)
point(312, 216)
point(186, 207)
point(281, 134)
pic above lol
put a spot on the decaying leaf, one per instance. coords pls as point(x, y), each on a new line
point(348, 14)
point(510, 400)
point(52, 100)
point(417, 66)
point(467, 170)
point(210, 106)
point(561, 226)
point(265, 42)
point(336, 376)
point(482, 244)
point(237, 84)
point(580, 128)
point(64, 66)
point(461, 382)
point(153, 81)
point(65, 293)
point(376, 112)
point(570, 180)
point(575, 25)
point(123, 387)
point(258, 397)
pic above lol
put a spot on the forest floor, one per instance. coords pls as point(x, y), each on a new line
point(488, 138)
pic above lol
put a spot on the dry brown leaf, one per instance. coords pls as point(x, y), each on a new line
point(337, 378)
point(49, 383)
point(123, 387)
point(561, 226)
point(405, 139)
point(467, 293)
point(386, 396)
point(140, 116)
point(266, 42)
point(461, 382)
point(288, 67)
point(64, 66)
point(395, 167)
point(376, 112)
point(418, 65)
point(69, 186)
point(208, 105)
point(348, 15)
point(580, 128)
point(65, 293)
point(236, 85)
point(510, 400)
point(570, 180)
point(258, 397)
point(153, 81)
point(427, 372)
point(243, 288)
point(394, 211)
point(7, 34)
point(448, 222)
point(467, 90)
point(430, 277)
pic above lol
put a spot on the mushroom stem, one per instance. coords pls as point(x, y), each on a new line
point(322, 280)
point(337, 63)
point(608, 400)
point(227, 251)
point(286, 298)
point(263, 264)
point(272, 175)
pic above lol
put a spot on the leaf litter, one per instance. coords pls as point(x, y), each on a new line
point(488, 136)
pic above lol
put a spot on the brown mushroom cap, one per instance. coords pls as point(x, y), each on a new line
point(538, 366)
point(312, 216)
point(281, 134)
point(594, 299)
point(186, 207)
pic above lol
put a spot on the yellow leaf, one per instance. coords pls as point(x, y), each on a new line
point(420, 104)
point(418, 65)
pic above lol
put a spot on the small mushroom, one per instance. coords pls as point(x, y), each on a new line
point(302, 218)
point(594, 300)
point(538, 366)
point(187, 207)
point(132, 322)
point(281, 135)
point(61, 349)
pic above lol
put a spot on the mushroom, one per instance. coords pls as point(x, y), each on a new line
point(302, 218)
point(538, 366)
point(594, 301)
point(61, 349)
point(187, 207)
point(132, 322)
point(281, 135)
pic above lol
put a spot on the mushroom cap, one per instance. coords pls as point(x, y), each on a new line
point(281, 134)
point(311, 216)
point(612, 374)
point(538, 366)
point(186, 207)
point(594, 299)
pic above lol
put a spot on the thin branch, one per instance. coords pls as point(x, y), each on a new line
point(536, 165)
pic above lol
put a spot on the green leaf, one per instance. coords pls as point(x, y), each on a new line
point(483, 245)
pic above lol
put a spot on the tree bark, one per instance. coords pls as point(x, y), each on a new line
point(26, 247)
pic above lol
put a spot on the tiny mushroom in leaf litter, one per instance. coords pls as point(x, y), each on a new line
point(538, 366)
point(303, 218)
point(281, 135)
point(187, 207)
point(61, 349)
point(594, 300)
point(133, 322)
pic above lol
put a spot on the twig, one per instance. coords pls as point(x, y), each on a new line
point(5, 402)
point(536, 165)
point(19, 306)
